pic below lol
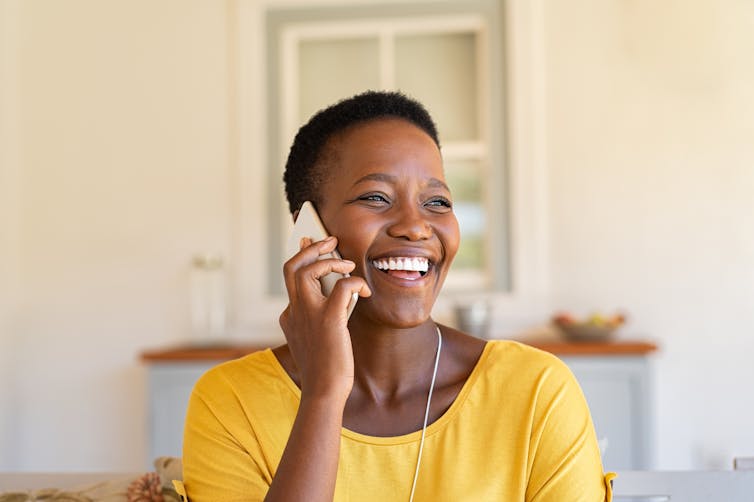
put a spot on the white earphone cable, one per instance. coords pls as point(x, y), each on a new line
point(426, 412)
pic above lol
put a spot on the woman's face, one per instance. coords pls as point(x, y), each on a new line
point(386, 201)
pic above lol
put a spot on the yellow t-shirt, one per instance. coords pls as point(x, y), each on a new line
point(519, 430)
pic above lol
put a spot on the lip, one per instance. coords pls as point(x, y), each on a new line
point(423, 281)
point(405, 252)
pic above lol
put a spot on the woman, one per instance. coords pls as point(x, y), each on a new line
point(386, 405)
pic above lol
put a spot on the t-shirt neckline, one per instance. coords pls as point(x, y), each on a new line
point(410, 437)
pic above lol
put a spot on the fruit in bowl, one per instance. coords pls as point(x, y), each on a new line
point(595, 328)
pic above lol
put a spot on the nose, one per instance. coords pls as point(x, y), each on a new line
point(410, 223)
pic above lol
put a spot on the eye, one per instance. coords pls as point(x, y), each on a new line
point(375, 199)
point(439, 204)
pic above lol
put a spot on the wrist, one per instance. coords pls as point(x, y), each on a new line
point(325, 398)
point(327, 388)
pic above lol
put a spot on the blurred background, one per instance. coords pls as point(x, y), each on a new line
point(601, 151)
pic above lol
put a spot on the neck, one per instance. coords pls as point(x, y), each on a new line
point(390, 362)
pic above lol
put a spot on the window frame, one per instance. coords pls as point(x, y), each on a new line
point(385, 30)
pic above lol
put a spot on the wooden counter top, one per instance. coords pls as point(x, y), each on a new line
point(213, 352)
point(223, 352)
point(616, 348)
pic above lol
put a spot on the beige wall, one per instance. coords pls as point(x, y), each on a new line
point(118, 156)
point(123, 175)
point(8, 218)
point(651, 162)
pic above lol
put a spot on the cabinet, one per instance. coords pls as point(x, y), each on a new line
point(172, 374)
point(170, 385)
point(616, 379)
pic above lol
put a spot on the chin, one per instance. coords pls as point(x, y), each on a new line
point(403, 316)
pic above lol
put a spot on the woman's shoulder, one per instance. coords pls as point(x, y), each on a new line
point(510, 359)
point(517, 350)
point(257, 370)
point(474, 357)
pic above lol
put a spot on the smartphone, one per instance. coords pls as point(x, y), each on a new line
point(308, 224)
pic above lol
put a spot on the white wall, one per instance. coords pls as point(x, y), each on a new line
point(118, 165)
point(123, 157)
point(650, 127)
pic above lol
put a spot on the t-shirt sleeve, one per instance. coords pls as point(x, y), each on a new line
point(565, 461)
point(218, 465)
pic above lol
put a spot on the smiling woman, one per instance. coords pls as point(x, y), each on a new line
point(386, 404)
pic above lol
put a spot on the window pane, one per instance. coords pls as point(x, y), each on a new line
point(465, 181)
point(330, 70)
point(441, 71)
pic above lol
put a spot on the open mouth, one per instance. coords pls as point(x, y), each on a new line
point(403, 267)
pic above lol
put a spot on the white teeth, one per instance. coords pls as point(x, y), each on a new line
point(402, 263)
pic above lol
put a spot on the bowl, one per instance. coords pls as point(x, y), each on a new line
point(586, 332)
point(596, 328)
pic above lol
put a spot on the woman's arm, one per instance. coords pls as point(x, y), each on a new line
point(309, 465)
point(316, 330)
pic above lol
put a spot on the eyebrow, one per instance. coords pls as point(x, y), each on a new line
point(387, 178)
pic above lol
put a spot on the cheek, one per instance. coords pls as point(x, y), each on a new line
point(451, 236)
point(354, 240)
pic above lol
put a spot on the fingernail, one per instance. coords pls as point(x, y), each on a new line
point(328, 238)
point(349, 262)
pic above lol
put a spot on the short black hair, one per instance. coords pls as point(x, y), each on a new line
point(303, 180)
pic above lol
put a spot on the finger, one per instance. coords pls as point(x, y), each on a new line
point(307, 279)
point(285, 319)
point(309, 253)
point(322, 246)
point(350, 285)
point(343, 291)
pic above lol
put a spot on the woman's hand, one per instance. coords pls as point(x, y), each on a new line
point(315, 325)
